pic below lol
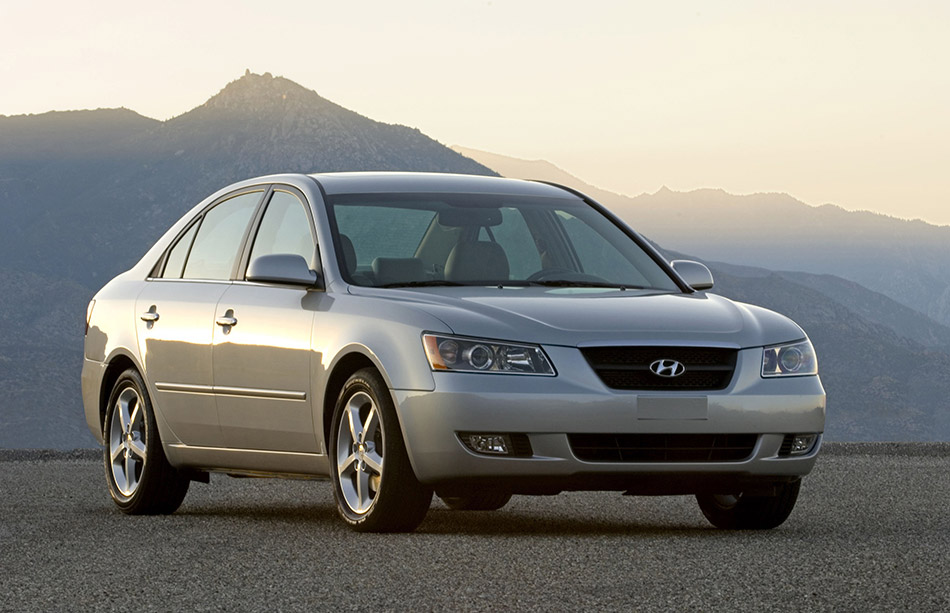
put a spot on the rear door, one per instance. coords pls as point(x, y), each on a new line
point(176, 312)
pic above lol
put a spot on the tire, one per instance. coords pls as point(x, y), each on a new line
point(374, 485)
point(739, 512)
point(141, 481)
point(479, 500)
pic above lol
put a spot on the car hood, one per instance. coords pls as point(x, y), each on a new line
point(581, 316)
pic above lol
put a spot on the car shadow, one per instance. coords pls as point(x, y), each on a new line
point(304, 513)
point(446, 522)
point(442, 521)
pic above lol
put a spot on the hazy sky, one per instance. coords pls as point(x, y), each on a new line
point(832, 101)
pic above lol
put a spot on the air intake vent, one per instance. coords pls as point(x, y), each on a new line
point(628, 368)
point(662, 447)
point(786, 449)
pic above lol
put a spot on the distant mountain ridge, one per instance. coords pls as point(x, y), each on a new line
point(904, 260)
point(141, 175)
point(880, 361)
point(84, 193)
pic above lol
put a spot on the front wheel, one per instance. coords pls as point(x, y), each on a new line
point(141, 481)
point(375, 487)
point(741, 512)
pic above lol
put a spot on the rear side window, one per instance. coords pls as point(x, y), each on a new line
point(216, 246)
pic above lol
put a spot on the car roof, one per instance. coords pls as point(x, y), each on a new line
point(432, 182)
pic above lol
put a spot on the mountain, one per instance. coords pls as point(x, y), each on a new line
point(84, 193)
point(880, 360)
point(878, 382)
point(904, 260)
point(874, 307)
point(115, 181)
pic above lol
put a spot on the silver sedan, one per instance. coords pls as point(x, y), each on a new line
point(406, 334)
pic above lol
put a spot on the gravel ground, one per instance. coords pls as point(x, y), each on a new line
point(871, 532)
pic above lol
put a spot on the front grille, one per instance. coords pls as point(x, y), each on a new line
point(628, 368)
point(662, 447)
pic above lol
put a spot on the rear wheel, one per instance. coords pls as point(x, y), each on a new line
point(741, 512)
point(375, 487)
point(485, 500)
point(141, 481)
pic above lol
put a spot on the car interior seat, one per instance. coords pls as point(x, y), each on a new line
point(477, 261)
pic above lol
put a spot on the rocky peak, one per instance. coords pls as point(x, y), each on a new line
point(253, 93)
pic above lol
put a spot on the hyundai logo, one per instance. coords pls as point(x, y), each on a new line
point(667, 368)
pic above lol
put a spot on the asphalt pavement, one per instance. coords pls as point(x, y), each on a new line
point(871, 532)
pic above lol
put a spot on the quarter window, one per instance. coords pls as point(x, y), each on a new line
point(176, 257)
point(219, 237)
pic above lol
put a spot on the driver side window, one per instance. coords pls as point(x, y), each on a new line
point(285, 228)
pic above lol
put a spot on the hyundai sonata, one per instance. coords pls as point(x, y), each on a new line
point(405, 334)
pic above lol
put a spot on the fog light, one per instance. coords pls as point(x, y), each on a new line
point(802, 443)
point(486, 443)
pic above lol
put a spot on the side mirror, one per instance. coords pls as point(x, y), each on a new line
point(282, 268)
point(696, 275)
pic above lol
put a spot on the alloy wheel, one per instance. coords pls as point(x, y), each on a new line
point(360, 453)
point(127, 441)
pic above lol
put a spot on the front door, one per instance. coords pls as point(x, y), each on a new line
point(262, 342)
point(262, 368)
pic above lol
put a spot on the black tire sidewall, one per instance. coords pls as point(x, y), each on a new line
point(160, 489)
point(752, 512)
point(129, 378)
point(400, 501)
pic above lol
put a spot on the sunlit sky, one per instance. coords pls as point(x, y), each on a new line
point(845, 102)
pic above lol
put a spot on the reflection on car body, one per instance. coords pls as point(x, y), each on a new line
point(410, 333)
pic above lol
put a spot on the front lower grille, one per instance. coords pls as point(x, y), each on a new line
point(628, 368)
point(786, 449)
point(662, 447)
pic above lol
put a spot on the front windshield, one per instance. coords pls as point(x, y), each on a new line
point(406, 240)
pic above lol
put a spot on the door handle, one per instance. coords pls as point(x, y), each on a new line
point(150, 316)
point(227, 320)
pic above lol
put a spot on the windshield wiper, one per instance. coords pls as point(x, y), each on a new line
point(429, 283)
point(566, 283)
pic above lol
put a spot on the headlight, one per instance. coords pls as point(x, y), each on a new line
point(477, 355)
point(791, 360)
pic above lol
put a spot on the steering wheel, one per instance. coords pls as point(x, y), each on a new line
point(565, 274)
point(542, 274)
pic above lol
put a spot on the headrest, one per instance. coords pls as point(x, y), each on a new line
point(477, 261)
point(349, 254)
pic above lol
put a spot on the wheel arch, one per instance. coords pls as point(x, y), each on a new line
point(342, 369)
point(118, 363)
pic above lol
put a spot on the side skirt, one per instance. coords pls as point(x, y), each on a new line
point(248, 462)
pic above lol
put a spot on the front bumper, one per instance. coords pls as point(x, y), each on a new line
point(547, 409)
